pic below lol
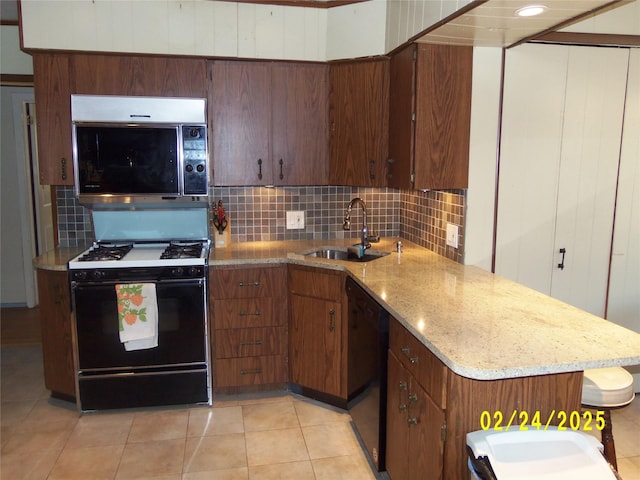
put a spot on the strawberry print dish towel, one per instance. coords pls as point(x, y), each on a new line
point(137, 315)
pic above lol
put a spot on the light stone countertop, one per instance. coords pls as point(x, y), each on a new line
point(480, 325)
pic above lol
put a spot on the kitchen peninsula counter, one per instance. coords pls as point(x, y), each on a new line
point(480, 325)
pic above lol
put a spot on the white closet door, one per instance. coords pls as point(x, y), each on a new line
point(591, 136)
point(531, 140)
point(624, 286)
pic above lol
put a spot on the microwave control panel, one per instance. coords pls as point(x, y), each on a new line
point(194, 150)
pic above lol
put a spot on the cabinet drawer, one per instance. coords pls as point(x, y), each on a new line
point(429, 371)
point(250, 312)
point(313, 282)
point(237, 372)
point(247, 282)
point(250, 342)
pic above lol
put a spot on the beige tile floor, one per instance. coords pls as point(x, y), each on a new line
point(279, 436)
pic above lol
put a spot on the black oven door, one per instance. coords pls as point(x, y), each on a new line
point(181, 328)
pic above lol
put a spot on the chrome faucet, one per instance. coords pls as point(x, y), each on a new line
point(346, 225)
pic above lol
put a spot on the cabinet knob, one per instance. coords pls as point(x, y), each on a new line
point(412, 421)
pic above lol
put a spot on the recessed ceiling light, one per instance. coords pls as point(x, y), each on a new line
point(530, 10)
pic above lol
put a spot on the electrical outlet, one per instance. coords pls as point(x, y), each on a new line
point(452, 235)
point(295, 220)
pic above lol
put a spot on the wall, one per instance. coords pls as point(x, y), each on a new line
point(229, 29)
point(258, 214)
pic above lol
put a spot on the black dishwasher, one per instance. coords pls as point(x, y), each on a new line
point(367, 371)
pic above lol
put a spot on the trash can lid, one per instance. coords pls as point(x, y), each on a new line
point(539, 454)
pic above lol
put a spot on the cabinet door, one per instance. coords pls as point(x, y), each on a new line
point(239, 116)
point(402, 99)
point(425, 424)
point(443, 116)
point(53, 102)
point(315, 344)
point(299, 123)
point(137, 75)
point(358, 118)
point(397, 455)
point(55, 320)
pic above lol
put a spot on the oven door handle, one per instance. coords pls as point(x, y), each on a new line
point(166, 281)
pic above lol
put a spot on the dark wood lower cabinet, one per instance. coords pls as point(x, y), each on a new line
point(415, 428)
point(249, 328)
point(55, 323)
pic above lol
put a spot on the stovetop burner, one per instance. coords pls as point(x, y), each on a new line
point(106, 251)
point(177, 250)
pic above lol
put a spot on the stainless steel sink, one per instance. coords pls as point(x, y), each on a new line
point(344, 254)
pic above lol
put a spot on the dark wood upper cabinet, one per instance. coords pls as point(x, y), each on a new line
point(268, 123)
point(430, 141)
point(137, 75)
point(52, 88)
point(358, 119)
point(401, 118)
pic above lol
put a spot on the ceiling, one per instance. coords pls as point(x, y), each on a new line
point(494, 23)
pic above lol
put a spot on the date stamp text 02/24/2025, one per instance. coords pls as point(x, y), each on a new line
point(522, 420)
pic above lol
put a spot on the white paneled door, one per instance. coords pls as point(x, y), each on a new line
point(562, 126)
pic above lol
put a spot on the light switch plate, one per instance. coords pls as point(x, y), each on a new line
point(295, 220)
point(452, 235)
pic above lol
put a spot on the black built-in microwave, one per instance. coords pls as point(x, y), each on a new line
point(137, 158)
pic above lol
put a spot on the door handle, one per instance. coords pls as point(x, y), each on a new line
point(259, 169)
point(332, 320)
point(561, 264)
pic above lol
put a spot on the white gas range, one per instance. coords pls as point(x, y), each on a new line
point(152, 260)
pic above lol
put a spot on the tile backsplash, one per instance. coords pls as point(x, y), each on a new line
point(259, 214)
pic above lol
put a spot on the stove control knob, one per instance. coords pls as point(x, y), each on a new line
point(200, 168)
point(177, 272)
point(81, 275)
point(189, 168)
point(97, 274)
point(193, 271)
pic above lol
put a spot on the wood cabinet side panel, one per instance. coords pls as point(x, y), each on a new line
point(55, 321)
point(467, 399)
point(52, 90)
point(397, 453)
point(443, 116)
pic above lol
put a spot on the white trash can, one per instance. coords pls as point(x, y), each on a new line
point(536, 455)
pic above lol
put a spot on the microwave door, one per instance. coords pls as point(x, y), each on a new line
point(127, 160)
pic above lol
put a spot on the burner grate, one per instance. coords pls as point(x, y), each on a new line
point(102, 251)
point(177, 250)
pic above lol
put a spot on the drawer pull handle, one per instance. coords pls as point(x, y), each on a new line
point(247, 314)
point(63, 168)
point(256, 371)
point(402, 407)
point(244, 344)
point(250, 284)
point(407, 353)
point(332, 320)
